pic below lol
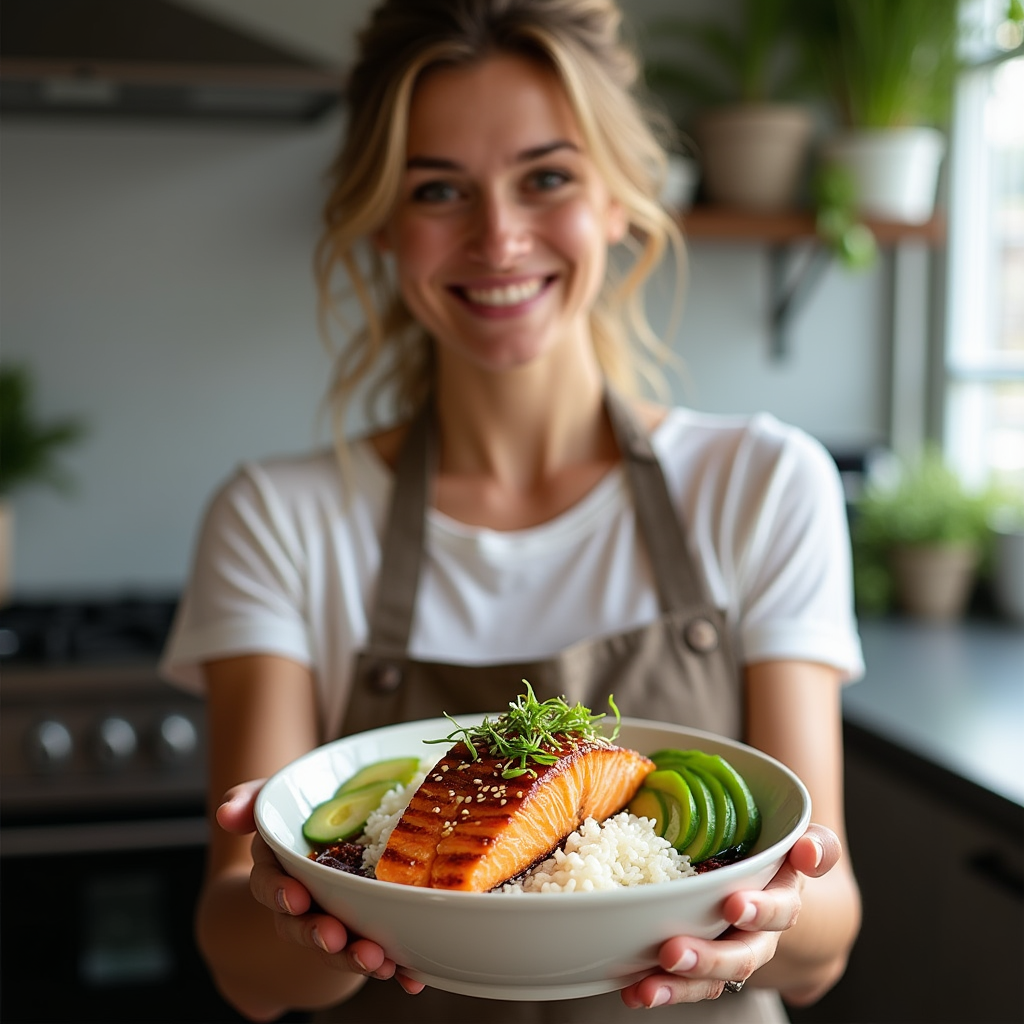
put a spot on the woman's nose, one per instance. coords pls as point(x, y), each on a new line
point(501, 233)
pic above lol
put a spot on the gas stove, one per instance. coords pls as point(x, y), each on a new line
point(88, 727)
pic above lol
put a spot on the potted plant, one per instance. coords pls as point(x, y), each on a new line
point(919, 537)
point(889, 68)
point(28, 454)
point(742, 74)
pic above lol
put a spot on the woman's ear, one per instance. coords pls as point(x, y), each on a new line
point(617, 222)
point(381, 240)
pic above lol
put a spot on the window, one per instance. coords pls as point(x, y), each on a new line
point(984, 358)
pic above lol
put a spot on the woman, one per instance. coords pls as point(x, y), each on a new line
point(514, 524)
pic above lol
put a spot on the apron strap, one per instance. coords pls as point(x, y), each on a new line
point(661, 523)
point(405, 535)
point(676, 576)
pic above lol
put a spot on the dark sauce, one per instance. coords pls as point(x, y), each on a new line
point(343, 856)
point(720, 860)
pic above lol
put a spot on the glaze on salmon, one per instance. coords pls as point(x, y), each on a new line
point(468, 828)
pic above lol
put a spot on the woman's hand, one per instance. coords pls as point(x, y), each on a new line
point(291, 901)
point(696, 969)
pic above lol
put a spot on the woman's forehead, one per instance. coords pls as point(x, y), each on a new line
point(502, 103)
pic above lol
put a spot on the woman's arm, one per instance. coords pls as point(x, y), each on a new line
point(262, 715)
point(794, 713)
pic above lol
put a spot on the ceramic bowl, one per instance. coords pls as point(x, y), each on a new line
point(525, 946)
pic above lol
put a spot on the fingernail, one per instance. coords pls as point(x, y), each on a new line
point(819, 851)
point(748, 915)
point(281, 898)
point(686, 962)
point(319, 940)
point(359, 963)
point(661, 997)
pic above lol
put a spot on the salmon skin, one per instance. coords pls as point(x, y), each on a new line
point(469, 828)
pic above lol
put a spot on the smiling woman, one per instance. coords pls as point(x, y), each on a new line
point(502, 224)
point(525, 514)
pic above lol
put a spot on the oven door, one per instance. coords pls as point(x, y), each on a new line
point(97, 923)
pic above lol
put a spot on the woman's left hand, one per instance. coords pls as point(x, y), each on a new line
point(697, 969)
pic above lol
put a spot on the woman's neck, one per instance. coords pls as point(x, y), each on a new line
point(519, 447)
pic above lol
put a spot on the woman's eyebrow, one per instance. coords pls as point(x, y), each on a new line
point(437, 163)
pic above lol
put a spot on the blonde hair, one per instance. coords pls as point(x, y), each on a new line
point(581, 41)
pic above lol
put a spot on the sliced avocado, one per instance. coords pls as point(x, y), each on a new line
point(674, 790)
point(700, 846)
point(748, 816)
point(344, 816)
point(725, 811)
point(647, 803)
point(399, 770)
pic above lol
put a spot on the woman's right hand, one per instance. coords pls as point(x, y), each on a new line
point(291, 902)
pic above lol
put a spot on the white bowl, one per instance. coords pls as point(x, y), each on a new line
point(529, 946)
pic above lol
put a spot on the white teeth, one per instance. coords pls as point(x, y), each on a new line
point(507, 295)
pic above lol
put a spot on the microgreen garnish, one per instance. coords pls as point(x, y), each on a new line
point(531, 730)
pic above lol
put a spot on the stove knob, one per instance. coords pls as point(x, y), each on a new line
point(176, 738)
point(50, 744)
point(115, 741)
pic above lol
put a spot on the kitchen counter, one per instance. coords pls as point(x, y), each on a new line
point(947, 702)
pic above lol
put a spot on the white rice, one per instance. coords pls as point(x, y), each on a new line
point(381, 822)
point(622, 851)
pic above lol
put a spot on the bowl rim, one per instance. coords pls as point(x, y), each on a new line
point(748, 865)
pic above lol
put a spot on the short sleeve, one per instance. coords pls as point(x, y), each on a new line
point(246, 592)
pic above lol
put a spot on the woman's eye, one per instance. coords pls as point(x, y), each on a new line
point(435, 192)
point(548, 180)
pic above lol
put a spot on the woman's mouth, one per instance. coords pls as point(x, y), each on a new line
point(503, 297)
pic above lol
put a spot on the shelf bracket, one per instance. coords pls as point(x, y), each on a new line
point(788, 291)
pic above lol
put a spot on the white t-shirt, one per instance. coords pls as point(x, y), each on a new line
point(285, 565)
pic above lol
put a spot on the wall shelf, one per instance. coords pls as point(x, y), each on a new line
point(791, 278)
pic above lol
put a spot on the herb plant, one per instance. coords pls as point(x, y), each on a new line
point(28, 445)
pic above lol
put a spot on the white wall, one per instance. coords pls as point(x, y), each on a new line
point(157, 279)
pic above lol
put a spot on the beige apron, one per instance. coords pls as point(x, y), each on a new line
point(679, 668)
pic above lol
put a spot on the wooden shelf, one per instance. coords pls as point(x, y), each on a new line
point(792, 274)
point(716, 223)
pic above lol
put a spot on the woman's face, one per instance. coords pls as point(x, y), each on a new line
point(501, 227)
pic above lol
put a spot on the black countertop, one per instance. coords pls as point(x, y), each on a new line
point(950, 697)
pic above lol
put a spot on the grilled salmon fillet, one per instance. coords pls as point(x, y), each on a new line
point(468, 828)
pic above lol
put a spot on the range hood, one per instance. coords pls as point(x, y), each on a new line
point(150, 59)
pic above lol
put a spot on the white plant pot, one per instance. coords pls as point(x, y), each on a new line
point(753, 156)
point(895, 170)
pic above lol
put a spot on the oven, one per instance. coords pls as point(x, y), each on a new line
point(102, 827)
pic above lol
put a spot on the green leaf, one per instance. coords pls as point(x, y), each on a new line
point(28, 446)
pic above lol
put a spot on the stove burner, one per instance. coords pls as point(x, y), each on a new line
point(68, 631)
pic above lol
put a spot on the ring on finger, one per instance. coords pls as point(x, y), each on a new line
point(734, 986)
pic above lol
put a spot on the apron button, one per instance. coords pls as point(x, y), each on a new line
point(385, 677)
point(701, 635)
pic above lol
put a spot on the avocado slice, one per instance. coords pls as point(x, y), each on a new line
point(342, 817)
point(701, 846)
point(648, 803)
point(679, 800)
point(748, 816)
point(399, 770)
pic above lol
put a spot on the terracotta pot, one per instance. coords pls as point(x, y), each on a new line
point(934, 581)
point(895, 170)
point(753, 156)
